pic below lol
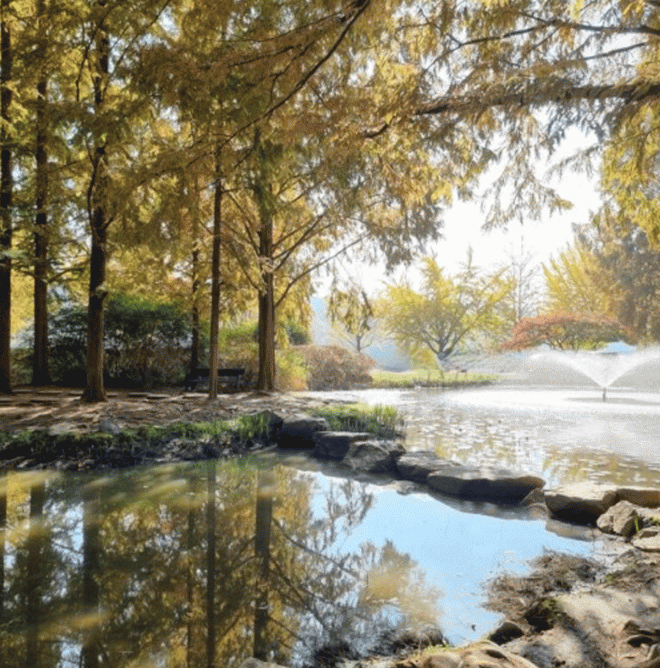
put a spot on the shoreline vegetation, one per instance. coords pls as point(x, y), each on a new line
point(113, 447)
point(429, 378)
point(60, 445)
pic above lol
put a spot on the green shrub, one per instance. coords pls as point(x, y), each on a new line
point(297, 335)
point(146, 342)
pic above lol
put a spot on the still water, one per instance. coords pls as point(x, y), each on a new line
point(563, 435)
point(211, 562)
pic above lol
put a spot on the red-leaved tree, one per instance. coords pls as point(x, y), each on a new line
point(565, 331)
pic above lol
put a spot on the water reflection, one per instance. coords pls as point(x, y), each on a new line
point(206, 564)
point(189, 566)
point(562, 435)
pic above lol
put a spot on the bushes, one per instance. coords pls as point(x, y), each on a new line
point(146, 343)
point(335, 368)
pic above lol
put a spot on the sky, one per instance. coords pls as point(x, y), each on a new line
point(543, 239)
point(462, 229)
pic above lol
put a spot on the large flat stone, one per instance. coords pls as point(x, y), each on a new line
point(582, 502)
point(336, 444)
point(417, 465)
point(483, 483)
point(585, 502)
point(640, 496)
point(648, 539)
point(298, 431)
point(373, 456)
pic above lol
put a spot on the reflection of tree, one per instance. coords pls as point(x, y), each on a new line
point(262, 537)
point(3, 529)
point(30, 568)
point(191, 566)
point(396, 580)
point(34, 585)
point(91, 573)
point(210, 564)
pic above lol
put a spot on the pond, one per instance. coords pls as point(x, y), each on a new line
point(563, 435)
point(156, 566)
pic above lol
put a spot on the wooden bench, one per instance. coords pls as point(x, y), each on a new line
point(202, 375)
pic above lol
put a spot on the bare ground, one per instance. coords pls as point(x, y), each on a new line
point(579, 613)
point(62, 408)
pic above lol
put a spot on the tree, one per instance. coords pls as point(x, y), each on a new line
point(447, 311)
point(610, 270)
point(352, 309)
point(244, 79)
point(575, 283)
point(523, 271)
point(40, 369)
point(6, 193)
point(565, 331)
point(628, 274)
point(99, 215)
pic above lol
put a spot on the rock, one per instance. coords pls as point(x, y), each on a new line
point(333, 653)
point(534, 498)
point(586, 502)
point(640, 496)
point(109, 426)
point(581, 502)
point(336, 444)
point(489, 655)
point(298, 431)
point(416, 639)
point(417, 465)
point(486, 483)
point(648, 539)
point(373, 456)
point(506, 632)
point(621, 519)
point(447, 659)
point(256, 663)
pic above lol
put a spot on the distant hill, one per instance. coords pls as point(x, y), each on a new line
point(385, 353)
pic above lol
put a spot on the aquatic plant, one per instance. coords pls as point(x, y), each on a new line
point(381, 421)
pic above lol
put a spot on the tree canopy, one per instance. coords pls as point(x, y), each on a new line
point(447, 311)
point(205, 141)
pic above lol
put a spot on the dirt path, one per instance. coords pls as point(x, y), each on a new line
point(61, 408)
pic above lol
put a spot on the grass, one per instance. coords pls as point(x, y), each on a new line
point(381, 421)
point(428, 378)
point(39, 441)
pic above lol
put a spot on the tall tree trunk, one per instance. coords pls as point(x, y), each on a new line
point(99, 221)
point(6, 191)
point(3, 527)
point(196, 285)
point(91, 572)
point(215, 278)
point(263, 521)
point(40, 367)
point(34, 574)
point(266, 377)
point(210, 565)
point(190, 591)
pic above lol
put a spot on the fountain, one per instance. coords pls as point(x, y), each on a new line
point(603, 367)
